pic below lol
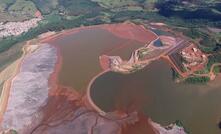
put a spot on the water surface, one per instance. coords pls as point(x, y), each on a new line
point(151, 89)
point(80, 53)
point(154, 91)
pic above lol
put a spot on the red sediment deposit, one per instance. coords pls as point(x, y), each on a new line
point(143, 126)
point(62, 101)
point(131, 31)
point(104, 62)
point(38, 14)
point(59, 96)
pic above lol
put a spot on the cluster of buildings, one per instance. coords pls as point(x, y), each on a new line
point(193, 58)
point(17, 28)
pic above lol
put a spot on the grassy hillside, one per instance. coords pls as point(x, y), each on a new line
point(115, 3)
point(16, 10)
point(46, 6)
point(22, 7)
point(4, 4)
point(119, 5)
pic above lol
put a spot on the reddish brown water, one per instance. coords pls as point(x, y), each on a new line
point(80, 53)
point(153, 91)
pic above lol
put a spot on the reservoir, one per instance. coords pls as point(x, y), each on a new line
point(80, 54)
point(153, 91)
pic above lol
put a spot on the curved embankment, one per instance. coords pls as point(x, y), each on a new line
point(88, 93)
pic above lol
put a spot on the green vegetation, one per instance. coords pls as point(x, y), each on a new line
point(115, 3)
point(7, 60)
point(212, 59)
point(79, 7)
point(204, 71)
point(67, 7)
point(16, 10)
point(180, 124)
point(23, 8)
point(197, 80)
point(136, 67)
point(217, 70)
point(129, 5)
point(175, 75)
point(142, 52)
point(46, 6)
point(5, 3)
point(13, 132)
point(160, 32)
point(215, 58)
point(1, 87)
point(10, 56)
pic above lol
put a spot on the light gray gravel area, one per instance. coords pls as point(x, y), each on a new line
point(29, 90)
point(84, 122)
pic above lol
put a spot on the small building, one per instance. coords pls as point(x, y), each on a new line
point(183, 53)
point(204, 56)
point(38, 14)
point(194, 49)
